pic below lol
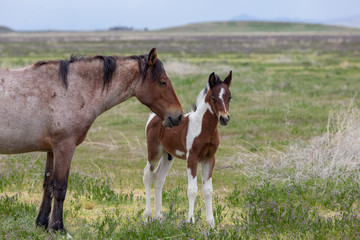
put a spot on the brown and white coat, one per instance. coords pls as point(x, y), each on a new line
point(196, 140)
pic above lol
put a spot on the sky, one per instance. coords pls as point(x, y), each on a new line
point(156, 14)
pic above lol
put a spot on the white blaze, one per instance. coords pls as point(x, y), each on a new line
point(222, 92)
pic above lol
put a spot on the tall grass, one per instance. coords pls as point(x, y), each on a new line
point(334, 154)
point(312, 190)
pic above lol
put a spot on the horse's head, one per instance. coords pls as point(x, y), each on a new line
point(220, 97)
point(157, 92)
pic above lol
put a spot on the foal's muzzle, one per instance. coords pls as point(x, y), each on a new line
point(173, 120)
point(224, 120)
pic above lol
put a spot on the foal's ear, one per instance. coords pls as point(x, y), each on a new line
point(152, 57)
point(227, 80)
point(212, 80)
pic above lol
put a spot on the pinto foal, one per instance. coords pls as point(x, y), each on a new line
point(196, 140)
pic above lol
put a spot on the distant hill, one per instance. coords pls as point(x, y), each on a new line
point(349, 21)
point(257, 26)
point(4, 29)
point(352, 21)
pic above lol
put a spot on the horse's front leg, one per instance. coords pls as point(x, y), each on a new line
point(192, 190)
point(63, 154)
point(42, 218)
point(160, 176)
point(207, 169)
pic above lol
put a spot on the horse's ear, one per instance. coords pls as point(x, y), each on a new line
point(227, 80)
point(212, 80)
point(152, 57)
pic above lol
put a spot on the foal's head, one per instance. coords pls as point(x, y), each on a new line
point(157, 92)
point(220, 97)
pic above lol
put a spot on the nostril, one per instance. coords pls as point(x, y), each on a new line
point(224, 120)
point(180, 117)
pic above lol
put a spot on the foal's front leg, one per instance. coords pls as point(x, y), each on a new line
point(160, 176)
point(207, 169)
point(192, 190)
point(147, 179)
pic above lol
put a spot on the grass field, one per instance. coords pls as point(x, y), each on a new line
point(288, 165)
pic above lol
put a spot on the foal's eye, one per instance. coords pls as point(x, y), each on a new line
point(214, 99)
point(230, 98)
point(162, 83)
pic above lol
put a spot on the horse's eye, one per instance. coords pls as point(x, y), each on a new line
point(230, 98)
point(214, 99)
point(162, 83)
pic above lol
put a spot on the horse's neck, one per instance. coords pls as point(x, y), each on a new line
point(124, 80)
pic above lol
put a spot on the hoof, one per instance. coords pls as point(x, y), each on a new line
point(57, 227)
point(68, 236)
point(159, 216)
point(64, 235)
point(190, 219)
point(42, 222)
point(148, 216)
point(211, 223)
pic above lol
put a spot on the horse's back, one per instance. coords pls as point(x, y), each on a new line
point(21, 118)
point(34, 105)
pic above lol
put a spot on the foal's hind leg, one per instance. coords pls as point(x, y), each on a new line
point(45, 207)
point(160, 176)
point(207, 169)
point(153, 157)
point(192, 165)
point(63, 154)
point(147, 179)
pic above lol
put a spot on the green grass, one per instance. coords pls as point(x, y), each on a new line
point(280, 171)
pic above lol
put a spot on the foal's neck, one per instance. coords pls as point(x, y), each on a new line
point(206, 114)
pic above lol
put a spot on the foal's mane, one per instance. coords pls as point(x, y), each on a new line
point(109, 66)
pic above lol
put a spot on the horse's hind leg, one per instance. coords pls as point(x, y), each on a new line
point(63, 154)
point(45, 207)
point(160, 176)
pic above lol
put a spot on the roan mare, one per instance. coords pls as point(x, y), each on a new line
point(196, 140)
point(51, 105)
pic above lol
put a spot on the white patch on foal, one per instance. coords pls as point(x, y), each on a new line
point(151, 116)
point(222, 92)
point(207, 191)
point(179, 153)
point(195, 120)
point(192, 193)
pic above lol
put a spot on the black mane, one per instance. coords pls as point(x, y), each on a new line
point(156, 70)
point(109, 67)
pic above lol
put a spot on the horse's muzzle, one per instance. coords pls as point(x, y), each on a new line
point(224, 120)
point(173, 120)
